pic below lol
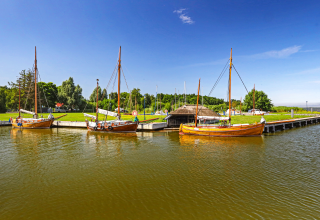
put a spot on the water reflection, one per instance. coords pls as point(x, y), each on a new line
point(192, 140)
point(147, 175)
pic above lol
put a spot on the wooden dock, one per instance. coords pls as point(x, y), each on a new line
point(141, 127)
point(288, 124)
point(5, 123)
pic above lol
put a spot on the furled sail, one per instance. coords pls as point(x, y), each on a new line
point(105, 112)
point(212, 118)
point(28, 112)
point(91, 116)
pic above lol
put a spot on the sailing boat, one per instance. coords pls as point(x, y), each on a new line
point(34, 122)
point(223, 131)
point(117, 125)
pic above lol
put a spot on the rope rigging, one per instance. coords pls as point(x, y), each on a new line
point(219, 78)
point(240, 78)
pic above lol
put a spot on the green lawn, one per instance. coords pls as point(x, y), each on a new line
point(76, 116)
point(252, 119)
point(235, 119)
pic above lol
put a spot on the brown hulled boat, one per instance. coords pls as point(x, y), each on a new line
point(35, 122)
point(226, 130)
point(116, 125)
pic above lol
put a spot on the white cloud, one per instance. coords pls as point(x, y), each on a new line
point(307, 51)
point(184, 18)
point(284, 53)
point(309, 71)
point(179, 11)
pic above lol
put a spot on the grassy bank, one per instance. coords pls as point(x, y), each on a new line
point(76, 116)
point(252, 119)
point(235, 119)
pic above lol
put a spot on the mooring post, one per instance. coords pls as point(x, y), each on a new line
point(292, 114)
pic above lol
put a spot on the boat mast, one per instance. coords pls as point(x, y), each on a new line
point(197, 104)
point(185, 93)
point(240, 104)
point(19, 98)
point(230, 88)
point(97, 101)
point(119, 67)
point(254, 91)
point(35, 83)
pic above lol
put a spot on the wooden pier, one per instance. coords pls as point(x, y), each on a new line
point(288, 124)
point(5, 123)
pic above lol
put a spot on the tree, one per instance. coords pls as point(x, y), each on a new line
point(12, 98)
point(27, 90)
point(104, 94)
point(135, 93)
point(93, 96)
point(3, 95)
point(48, 93)
point(70, 94)
point(261, 101)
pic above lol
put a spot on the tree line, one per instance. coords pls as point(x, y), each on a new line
point(49, 94)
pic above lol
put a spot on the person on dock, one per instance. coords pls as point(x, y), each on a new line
point(136, 119)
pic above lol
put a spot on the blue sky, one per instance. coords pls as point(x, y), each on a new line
point(276, 45)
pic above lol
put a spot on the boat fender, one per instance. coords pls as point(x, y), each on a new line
point(19, 124)
point(110, 128)
point(10, 120)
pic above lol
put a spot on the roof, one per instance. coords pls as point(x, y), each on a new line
point(59, 104)
point(191, 110)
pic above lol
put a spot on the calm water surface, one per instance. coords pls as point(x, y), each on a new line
point(75, 174)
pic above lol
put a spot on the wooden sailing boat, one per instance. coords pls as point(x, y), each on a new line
point(223, 131)
point(114, 125)
point(34, 122)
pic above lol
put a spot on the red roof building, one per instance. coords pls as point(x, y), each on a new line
point(59, 104)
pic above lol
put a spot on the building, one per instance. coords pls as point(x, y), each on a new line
point(186, 114)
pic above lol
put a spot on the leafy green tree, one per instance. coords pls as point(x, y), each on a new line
point(93, 96)
point(48, 92)
point(261, 101)
point(27, 90)
point(3, 99)
point(12, 98)
point(113, 96)
point(167, 106)
point(104, 94)
point(70, 94)
point(135, 93)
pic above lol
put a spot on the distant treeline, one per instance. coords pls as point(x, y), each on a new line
point(71, 95)
point(286, 109)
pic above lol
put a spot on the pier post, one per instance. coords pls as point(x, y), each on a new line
point(292, 114)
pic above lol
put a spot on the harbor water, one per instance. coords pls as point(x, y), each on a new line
point(75, 174)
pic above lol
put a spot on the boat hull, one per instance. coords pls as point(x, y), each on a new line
point(114, 127)
point(32, 124)
point(233, 131)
